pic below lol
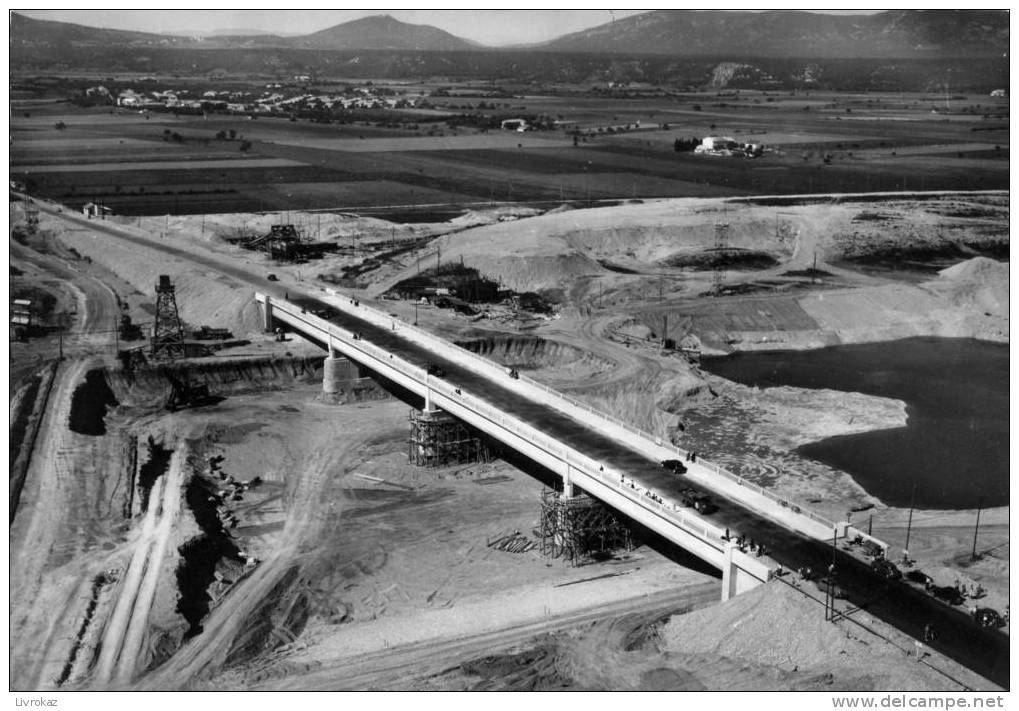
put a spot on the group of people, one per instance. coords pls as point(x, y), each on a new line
point(973, 590)
point(746, 544)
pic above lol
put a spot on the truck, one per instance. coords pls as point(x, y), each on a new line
point(698, 501)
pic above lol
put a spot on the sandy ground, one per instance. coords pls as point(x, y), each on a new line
point(344, 560)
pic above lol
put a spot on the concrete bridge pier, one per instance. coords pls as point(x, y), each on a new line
point(335, 371)
point(568, 492)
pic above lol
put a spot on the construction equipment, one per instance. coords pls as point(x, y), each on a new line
point(209, 333)
point(129, 331)
point(186, 394)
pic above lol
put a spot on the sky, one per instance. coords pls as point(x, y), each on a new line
point(491, 27)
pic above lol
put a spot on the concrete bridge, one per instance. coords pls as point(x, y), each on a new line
point(621, 466)
point(610, 460)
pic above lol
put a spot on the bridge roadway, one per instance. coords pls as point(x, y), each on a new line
point(903, 605)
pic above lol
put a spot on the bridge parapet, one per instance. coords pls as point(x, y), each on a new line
point(703, 471)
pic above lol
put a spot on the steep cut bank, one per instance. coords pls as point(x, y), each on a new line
point(533, 353)
point(224, 377)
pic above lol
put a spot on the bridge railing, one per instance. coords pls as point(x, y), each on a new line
point(669, 509)
point(663, 447)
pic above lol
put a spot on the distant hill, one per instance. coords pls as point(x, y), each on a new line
point(368, 33)
point(382, 32)
point(896, 33)
point(26, 31)
point(678, 50)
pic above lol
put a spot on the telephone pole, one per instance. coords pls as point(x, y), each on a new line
point(976, 530)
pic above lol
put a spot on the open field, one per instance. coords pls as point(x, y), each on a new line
point(823, 142)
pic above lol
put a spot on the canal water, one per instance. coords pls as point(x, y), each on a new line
point(954, 447)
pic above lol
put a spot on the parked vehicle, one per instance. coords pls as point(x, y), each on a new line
point(986, 617)
point(947, 593)
point(919, 577)
point(886, 569)
point(272, 277)
point(437, 370)
point(674, 465)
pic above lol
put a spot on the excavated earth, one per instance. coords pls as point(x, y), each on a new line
point(268, 581)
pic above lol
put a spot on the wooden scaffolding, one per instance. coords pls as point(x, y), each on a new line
point(580, 528)
point(437, 439)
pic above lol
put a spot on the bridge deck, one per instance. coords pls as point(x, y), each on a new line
point(906, 607)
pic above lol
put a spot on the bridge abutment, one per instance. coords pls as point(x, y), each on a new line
point(267, 314)
point(736, 575)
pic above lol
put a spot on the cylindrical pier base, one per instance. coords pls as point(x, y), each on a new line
point(334, 373)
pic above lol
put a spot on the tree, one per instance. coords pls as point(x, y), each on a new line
point(60, 125)
point(233, 134)
point(245, 145)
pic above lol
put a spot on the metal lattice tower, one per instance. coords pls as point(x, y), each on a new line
point(168, 333)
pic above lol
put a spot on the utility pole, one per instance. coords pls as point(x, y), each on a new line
point(829, 593)
point(438, 259)
point(976, 529)
point(909, 525)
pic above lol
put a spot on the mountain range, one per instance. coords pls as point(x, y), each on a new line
point(677, 33)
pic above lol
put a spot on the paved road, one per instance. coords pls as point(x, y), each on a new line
point(904, 606)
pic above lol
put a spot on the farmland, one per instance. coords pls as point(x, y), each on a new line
point(602, 148)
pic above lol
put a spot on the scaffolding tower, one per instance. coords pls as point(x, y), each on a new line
point(437, 439)
point(168, 332)
point(580, 528)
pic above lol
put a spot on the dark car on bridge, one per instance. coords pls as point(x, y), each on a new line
point(919, 577)
point(886, 569)
point(437, 370)
point(674, 465)
point(947, 593)
point(986, 617)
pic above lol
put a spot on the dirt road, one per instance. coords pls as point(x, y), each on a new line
point(397, 666)
point(121, 650)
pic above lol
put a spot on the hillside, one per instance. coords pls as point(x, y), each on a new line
point(899, 33)
point(381, 32)
point(28, 32)
point(378, 32)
